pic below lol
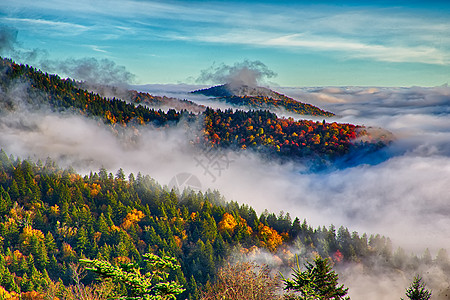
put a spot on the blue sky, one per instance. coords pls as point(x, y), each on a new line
point(405, 43)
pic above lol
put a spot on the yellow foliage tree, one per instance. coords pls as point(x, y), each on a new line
point(95, 189)
point(228, 223)
point(54, 210)
point(68, 251)
point(269, 237)
point(4, 294)
point(178, 241)
point(113, 228)
point(27, 234)
point(33, 295)
point(132, 218)
point(109, 116)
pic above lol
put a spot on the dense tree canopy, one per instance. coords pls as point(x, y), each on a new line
point(54, 217)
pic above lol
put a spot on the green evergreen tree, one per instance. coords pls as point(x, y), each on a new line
point(193, 288)
point(103, 174)
point(26, 285)
point(13, 191)
point(120, 174)
point(5, 163)
point(82, 240)
point(417, 290)
point(50, 243)
point(40, 252)
point(318, 281)
point(7, 279)
point(295, 230)
point(102, 224)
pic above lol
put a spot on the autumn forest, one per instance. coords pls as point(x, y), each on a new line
point(52, 218)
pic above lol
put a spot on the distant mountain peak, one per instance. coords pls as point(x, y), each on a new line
point(257, 97)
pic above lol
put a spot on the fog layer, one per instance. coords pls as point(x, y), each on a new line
point(403, 192)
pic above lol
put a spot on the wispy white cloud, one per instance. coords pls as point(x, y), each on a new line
point(383, 35)
point(380, 34)
point(66, 27)
point(97, 48)
point(391, 53)
point(342, 47)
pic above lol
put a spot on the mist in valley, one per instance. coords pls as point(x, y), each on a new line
point(401, 191)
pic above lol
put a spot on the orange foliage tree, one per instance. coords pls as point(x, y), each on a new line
point(269, 237)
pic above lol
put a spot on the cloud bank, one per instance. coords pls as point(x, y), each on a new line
point(93, 71)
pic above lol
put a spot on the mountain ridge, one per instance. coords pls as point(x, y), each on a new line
point(260, 98)
point(259, 130)
point(229, 89)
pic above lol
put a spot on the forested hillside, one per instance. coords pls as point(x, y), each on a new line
point(51, 218)
point(265, 132)
point(258, 130)
point(50, 90)
point(141, 98)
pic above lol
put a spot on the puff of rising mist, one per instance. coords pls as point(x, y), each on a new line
point(250, 73)
point(91, 70)
point(88, 145)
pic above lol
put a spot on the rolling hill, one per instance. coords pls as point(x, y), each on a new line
point(260, 98)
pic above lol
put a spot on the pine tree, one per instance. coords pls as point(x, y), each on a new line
point(102, 224)
point(41, 255)
point(318, 281)
point(120, 174)
point(13, 191)
point(193, 288)
point(50, 243)
point(295, 229)
point(417, 290)
point(5, 202)
point(5, 163)
point(26, 285)
point(82, 240)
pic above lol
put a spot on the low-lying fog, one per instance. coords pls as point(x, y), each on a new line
point(403, 193)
